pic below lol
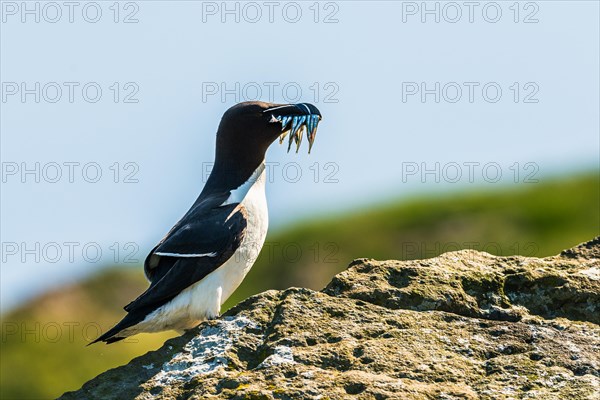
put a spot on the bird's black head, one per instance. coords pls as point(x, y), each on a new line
point(254, 125)
point(247, 130)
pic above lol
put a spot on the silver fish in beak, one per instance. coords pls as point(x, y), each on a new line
point(305, 119)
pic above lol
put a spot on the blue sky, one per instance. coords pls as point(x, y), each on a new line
point(409, 105)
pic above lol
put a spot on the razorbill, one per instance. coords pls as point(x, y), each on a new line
point(207, 254)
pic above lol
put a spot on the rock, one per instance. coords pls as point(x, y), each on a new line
point(464, 325)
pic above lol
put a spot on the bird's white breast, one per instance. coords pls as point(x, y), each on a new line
point(255, 203)
point(203, 299)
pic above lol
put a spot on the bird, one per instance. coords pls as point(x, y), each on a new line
point(205, 256)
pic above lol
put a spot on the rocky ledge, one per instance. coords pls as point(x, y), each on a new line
point(464, 325)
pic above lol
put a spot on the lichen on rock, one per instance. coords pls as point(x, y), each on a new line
point(464, 325)
point(204, 353)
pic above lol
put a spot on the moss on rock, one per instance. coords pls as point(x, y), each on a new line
point(464, 325)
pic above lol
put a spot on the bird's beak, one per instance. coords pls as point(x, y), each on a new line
point(296, 119)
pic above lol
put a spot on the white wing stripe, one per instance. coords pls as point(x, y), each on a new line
point(185, 255)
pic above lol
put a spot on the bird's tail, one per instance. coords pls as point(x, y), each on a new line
point(117, 333)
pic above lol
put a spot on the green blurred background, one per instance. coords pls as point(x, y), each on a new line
point(44, 339)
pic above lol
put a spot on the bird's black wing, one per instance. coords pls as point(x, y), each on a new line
point(199, 232)
point(199, 244)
